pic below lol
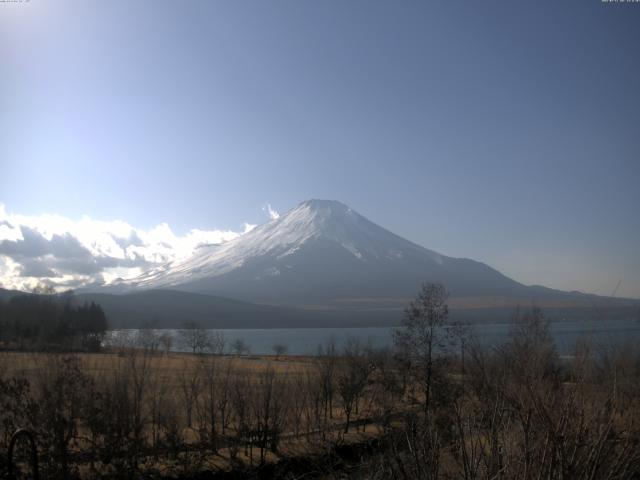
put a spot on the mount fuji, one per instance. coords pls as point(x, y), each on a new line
point(322, 254)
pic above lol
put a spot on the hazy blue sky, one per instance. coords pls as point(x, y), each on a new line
point(508, 132)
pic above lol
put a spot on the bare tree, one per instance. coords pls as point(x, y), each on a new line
point(353, 374)
point(208, 402)
point(148, 339)
point(170, 425)
point(279, 349)
point(314, 408)
point(190, 386)
point(224, 392)
point(530, 351)
point(62, 389)
point(138, 365)
point(195, 338)
point(423, 337)
point(326, 363)
point(241, 393)
point(269, 406)
point(166, 340)
point(298, 401)
point(158, 388)
point(120, 340)
point(217, 343)
point(388, 383)
point(240, 347)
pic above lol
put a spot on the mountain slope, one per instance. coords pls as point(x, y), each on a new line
point(171, 309)
point(6, 295)
point(322, 254)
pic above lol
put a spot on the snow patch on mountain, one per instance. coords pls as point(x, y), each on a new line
point(353, 250)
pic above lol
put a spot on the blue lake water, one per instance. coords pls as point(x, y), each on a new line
point(305, 341)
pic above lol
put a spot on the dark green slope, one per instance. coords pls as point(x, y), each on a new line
point(171, 308)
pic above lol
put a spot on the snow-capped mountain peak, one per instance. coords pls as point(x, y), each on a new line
point(312, 220)
point(321, 250)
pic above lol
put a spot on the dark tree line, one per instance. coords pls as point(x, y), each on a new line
point(50, 322)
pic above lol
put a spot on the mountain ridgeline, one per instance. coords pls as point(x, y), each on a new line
point(324, 265)
point(323, 253)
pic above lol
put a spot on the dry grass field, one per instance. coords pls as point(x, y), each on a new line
point(197, 412)
point(515, 412)
point(171, 365)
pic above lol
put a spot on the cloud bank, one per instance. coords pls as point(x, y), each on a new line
point(65, 253)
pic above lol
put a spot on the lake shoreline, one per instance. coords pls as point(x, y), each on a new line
point(305, 341)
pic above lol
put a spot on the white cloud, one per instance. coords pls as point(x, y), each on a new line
point(74, 253)
point(273, 214)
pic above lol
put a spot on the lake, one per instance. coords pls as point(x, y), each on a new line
point(305, 341)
